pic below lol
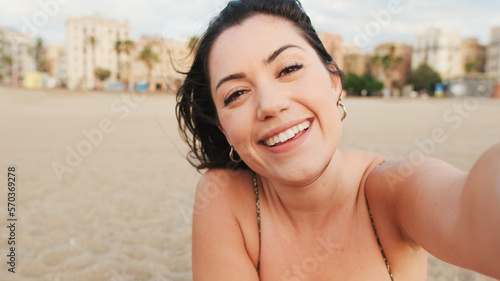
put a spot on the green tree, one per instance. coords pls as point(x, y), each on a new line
point(92, 41)
point(118, 50)
point(355, 84)
point(387, 64)
point(41, 63)
point(102, 75)
point(472, 66)
point(149, 57)
point(7, 60)
point(128, 46)
point(424, 78)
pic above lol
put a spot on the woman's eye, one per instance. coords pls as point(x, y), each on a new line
point(233, 96)
point(289, 69)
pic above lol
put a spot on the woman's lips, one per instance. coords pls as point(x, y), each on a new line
point(287, 135)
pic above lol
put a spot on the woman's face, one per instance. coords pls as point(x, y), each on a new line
point(275, 99)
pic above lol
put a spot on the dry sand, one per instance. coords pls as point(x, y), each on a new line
point(120, 207)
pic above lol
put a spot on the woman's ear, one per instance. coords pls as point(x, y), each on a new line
point(335, 79)
point(222, 130)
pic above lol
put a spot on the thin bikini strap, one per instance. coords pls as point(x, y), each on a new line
point(378, 240)
point(257, 204)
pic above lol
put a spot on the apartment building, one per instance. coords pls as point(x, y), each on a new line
point(474, 56)
point(91, 44)
point(334, 46)
point(15, 56)
point(493, 54)
point(354, 61)
point(57, 64)
point(173, 56)
point(440, 48)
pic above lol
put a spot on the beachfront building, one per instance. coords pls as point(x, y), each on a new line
point(440, 48)
point(15, 57)
point(334, 46)
point(91, 44)
point(397, 74)
point(474, 56)
point(55, 56)
point(354, 61)
point(493, 54)
point(172, 55)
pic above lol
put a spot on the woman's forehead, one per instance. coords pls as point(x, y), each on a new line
point(267, 27)
point(256, 36)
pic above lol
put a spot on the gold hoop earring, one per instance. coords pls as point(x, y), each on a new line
point(343, 109)
point(231, 155)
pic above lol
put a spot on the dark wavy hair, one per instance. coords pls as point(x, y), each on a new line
point(195, 110)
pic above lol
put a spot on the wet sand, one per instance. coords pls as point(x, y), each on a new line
point(104, 191)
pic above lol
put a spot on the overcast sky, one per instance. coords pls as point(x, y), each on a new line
point(354, 20)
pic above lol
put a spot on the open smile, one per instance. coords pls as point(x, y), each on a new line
point(287, 135)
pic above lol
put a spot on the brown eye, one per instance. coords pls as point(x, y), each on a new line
point(233, 96)
point(290, 69)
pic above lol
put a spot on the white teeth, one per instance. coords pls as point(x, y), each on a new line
point(283, 137)
point(288, 134)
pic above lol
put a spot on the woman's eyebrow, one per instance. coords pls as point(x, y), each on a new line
point(276, 53)
point(229, 78)
point(267, 61)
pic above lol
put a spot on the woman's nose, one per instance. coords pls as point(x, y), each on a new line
point(271, 101)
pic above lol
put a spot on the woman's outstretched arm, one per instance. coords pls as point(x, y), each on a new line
point(455, 216)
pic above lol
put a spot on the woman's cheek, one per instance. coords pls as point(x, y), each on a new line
point(232, 128)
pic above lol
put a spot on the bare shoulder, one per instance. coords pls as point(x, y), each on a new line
point(396, 175)
point(225, 234)
point(223, 190)
point(392, 181)
point(361, 165)
point(364, 161)
point(407, 192)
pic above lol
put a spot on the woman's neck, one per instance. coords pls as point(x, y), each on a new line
point(316, 204)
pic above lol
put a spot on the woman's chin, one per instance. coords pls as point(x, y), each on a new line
point(302, 175)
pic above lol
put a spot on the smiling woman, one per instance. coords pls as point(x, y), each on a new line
point(259, 111)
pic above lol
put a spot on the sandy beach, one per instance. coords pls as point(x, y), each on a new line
point(103, 190)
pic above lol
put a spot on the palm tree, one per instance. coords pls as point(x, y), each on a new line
point(7, 60)
point(127, 47)
point(38, 53)
point(387, 64)
point(92, 41)
point(102, 75)
point(118, 50)
point(472, 66)
point(149, 57)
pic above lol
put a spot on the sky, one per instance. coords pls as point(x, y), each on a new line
point(361, 23)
